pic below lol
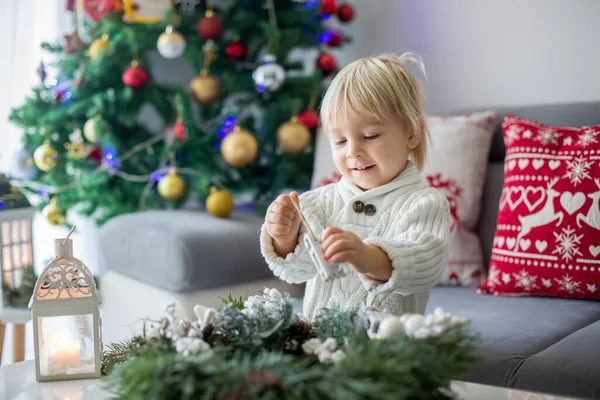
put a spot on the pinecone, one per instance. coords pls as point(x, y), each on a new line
point(300, 327)
point(207, 331)
point(263, 376)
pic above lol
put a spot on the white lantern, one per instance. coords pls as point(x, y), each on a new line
point(66, 319)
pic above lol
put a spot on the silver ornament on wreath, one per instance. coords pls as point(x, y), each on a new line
point(23, 166)
point(270, 75)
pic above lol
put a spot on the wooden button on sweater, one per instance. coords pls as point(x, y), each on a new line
point(370, 209)
point(358, 206)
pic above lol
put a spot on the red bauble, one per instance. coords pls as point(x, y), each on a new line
point(236, 50)
point(96, 154)
point(345, 13)
point(58, 96)
point(335, 40)
point(210, 28)
point(179, 130)
point(135, 77)
point(326, 63)
point(309, 118)
point(329, 7)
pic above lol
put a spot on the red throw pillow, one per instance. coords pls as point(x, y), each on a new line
point(547, 240)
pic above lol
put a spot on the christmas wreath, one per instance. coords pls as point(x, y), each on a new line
point(260, 348)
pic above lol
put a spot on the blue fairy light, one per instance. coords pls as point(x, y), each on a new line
point(157, 176)
point(260, 88)
point(1, 204)
point(42, 192)
point(218, 145)
point(325, 16)
point(229, 122)
point(325, 37)
point(223, 133)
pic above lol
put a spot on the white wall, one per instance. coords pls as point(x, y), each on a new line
point(493, 52)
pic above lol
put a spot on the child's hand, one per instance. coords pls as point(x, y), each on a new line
point(343, 246)
point(283, 223)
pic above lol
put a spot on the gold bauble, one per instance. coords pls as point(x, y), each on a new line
point(293, 137)
point(220, 203)
point(94, 127)
point(45, 157)
point(239, 148)
point(172, 186)
point(54, 214)
point(205, 89)
point(98, 46)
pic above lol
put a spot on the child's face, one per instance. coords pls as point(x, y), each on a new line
point(370, 154)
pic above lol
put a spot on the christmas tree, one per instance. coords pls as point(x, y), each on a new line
point(245, 124)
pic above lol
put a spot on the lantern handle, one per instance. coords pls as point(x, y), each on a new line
point(72, 230)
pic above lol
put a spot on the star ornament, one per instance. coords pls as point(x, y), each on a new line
point(73, 43)
point(76, 150)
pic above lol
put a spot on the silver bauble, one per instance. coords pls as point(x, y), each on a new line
point(269, 76)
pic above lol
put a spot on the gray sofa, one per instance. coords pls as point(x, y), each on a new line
point(532, 343)
point(541, 344)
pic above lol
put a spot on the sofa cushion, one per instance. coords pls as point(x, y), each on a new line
point(184, 250)
point(461, 180)
point(514, 329)
point(548, 229)
point(565, 368)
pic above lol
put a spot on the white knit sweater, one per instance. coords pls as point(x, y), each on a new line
point(411, 224)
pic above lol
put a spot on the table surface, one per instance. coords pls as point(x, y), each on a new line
point(17, 382)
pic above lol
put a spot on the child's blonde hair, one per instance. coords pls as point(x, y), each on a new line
point(379, 88)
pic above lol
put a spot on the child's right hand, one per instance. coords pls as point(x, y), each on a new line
point(283, 223)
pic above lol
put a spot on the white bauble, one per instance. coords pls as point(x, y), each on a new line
point(171, 44)
point(414, 323)
point(390, 326)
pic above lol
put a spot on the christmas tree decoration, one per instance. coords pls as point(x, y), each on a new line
point(54, 214)
point(309, 118)
point(23, 166)
point(219, 203)
point(335, 39)
point(94, 128)
point(172, 186)
point(205, 89)
point(96, 154)
point(293, 137)
point(179, 130)
point(76, 150)
point(41, 71)
point(210, 26)
point(45, 156)
point(97, 9)
point(236, 50)
point(135, 76)
point(98, 46)
point(145, 11)
point(329, 7)
point(171, 44)
point(73, 43)
point(239, 148)
point(111, 168)
point(270, 75)
point(66, 318)
point(327, 64)
point(345, 12)
point(189, 7)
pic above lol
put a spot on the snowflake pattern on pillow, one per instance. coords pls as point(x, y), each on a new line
point(547, 239)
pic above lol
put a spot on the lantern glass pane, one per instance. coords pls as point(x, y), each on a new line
point(25, 230)
point(66, 345)
point(6, 233)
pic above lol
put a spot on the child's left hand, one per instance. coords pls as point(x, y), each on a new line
point(339, 245)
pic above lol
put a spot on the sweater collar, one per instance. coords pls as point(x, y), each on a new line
point(407, 178)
